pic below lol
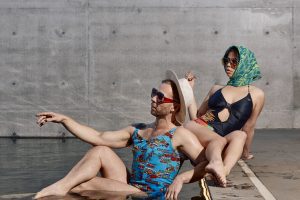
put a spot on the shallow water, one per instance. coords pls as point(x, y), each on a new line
point(28, 165)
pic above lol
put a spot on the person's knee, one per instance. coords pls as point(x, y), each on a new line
point(99, 151)
point(78, 189)
point(221, 140)
point(237, 136)
point(241, 135)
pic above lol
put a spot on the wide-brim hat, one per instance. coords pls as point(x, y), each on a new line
point(185, 93)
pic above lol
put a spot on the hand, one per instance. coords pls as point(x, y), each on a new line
point(49, 117)
point(174, 189)
point(190, 77)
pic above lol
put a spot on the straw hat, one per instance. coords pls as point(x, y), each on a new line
point(185, 92)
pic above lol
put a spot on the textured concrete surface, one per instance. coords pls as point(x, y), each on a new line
point(98, 60)
point(277, 162)
point(240, 187)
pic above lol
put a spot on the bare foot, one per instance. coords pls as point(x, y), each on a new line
point(53, 190)
point(217, 169)
point(248, 157)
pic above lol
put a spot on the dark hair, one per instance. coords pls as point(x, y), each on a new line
point(233, 49)
point(174, 89)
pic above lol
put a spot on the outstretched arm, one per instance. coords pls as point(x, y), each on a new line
point(114, 139)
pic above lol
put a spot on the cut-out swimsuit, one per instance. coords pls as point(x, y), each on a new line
point(239, 113)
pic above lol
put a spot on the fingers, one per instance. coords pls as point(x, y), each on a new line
point(171, 194)
point(175, 195)
point(41, 120)
point(44, 117)
point(45, 114)
point(168, 194)
point(190, 76)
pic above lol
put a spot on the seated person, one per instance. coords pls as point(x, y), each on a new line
point(157, 150)
point(228, 114)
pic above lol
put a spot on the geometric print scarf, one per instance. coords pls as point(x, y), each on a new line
point(247, 70)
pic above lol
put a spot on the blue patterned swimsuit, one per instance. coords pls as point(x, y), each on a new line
point(155, 162)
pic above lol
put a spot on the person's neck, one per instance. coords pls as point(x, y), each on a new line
point(163, 124)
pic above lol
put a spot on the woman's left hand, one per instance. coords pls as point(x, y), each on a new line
point(174, 189)
point(190, 77)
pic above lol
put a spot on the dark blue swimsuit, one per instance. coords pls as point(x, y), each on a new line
point(239, 112)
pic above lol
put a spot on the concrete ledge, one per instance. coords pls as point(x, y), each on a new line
point(240, 187)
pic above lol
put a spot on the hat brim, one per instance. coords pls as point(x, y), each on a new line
point(180, 116)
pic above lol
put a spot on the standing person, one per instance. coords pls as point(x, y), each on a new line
point(228, 114)
point(157, 150)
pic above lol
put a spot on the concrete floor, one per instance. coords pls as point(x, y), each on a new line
point(27, 165)
point(277, 162)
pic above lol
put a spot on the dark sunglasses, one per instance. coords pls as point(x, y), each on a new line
point(233, 61)
point(161, 97)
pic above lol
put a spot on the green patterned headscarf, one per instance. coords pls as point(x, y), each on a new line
point(247, 70)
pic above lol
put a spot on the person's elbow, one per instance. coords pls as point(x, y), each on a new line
point(249, 127)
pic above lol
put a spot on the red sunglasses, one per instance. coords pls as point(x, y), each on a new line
point(161, 97)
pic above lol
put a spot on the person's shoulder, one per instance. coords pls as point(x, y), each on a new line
point(214, 88)
point(259, 93)
point(132, 127)
point(180, 129)
point(258, 96)
point(182, 132)
point(183, 136)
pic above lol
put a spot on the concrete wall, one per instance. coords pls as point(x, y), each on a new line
point(98, 60)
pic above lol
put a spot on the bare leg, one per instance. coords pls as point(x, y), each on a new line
point(214, 146)
point(233, 152)
point(213, 155)
point(108, 185)
point(97, 159)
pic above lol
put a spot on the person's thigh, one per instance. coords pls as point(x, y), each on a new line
point(113, 171)
point(105, 184)
point(112, 167)
point(204, 134)
point(237, 135)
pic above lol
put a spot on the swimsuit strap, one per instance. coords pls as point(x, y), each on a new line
point(135, 132)
point(172, 131)
point(248, 88)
